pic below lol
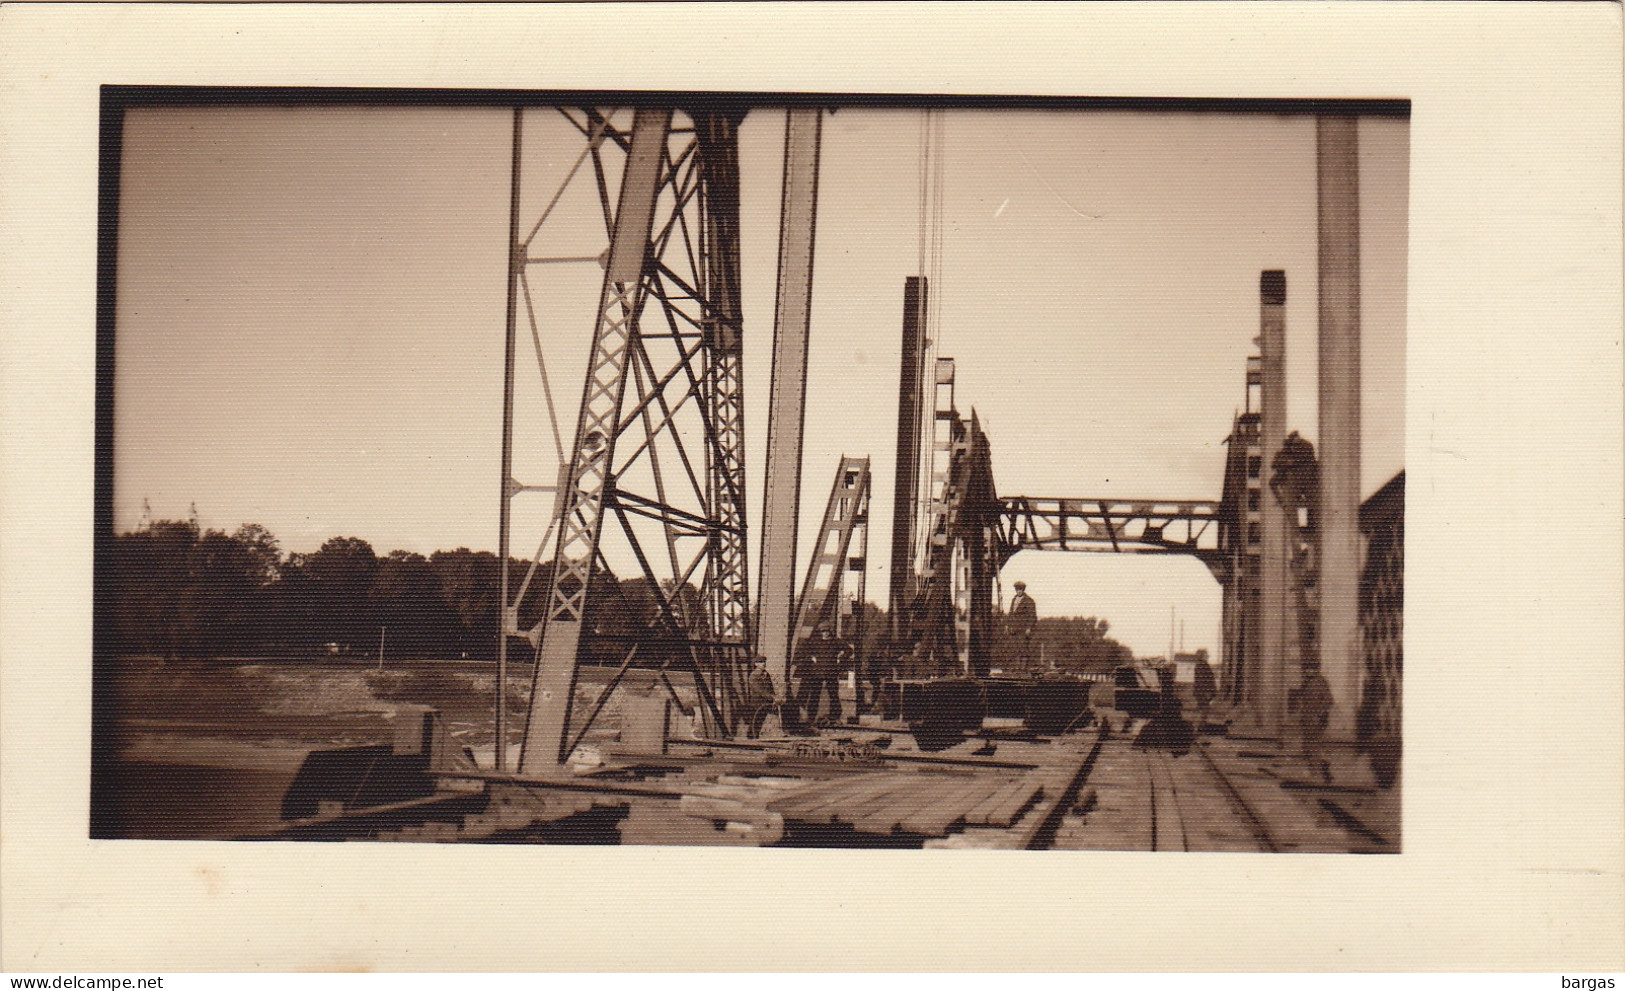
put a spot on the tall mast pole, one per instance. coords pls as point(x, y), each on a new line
point(515, 267)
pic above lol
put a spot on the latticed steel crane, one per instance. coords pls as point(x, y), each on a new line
point(655, 466)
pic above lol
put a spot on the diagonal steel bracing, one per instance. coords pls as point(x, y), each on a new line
point(657, 451)
point(1108, 526)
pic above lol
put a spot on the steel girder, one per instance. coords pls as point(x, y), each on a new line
point(1108, 526)
point(781, 489)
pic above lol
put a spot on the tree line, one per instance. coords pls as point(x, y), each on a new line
point(176, 590)
point(1076, 644)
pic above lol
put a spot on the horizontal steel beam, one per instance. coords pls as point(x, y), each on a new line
point(1123, 526)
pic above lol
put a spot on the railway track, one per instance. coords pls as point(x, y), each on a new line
point(1211, 798)
point(1193, 807)
point(1261, 834)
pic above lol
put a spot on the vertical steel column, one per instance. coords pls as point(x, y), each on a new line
point(589, 477)
point(1338, 184)
point(1275, 548)
point(516, 262)
point(781, 503)
point(906, 492)
point(726, 582)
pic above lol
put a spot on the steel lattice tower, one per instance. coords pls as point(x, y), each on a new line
point(653, 476)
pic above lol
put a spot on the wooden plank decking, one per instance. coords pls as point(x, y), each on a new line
point(857, 788)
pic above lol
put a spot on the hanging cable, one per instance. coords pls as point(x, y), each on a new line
point(921, 181)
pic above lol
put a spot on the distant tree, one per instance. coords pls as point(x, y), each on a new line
point(341, 573)
point(406, 599)
point(180, 591)
point(151, 588)
point(631, 607)
point(471, 587)
point(174, 589)
point(262, 566)
point(689, 607)
point(344, 562)
point(1075, 644)
point(294, 605)
point(264, 554)
point(222, 596)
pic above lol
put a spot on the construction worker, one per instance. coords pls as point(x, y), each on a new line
point(890, 662)
point(760, 697)
point(1314, 704)
point(1205, 688)
point(914, 663)
point(879, 667)
point(818, 663)
point(1023, 613)
point(1023, 617)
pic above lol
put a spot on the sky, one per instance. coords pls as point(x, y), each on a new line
point(311, 317)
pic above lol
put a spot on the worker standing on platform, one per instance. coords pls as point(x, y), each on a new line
point(759, 697)
point(1205, 687)
point(912, 663)
point(1023, 618)
point(819, 663)
point(1314, 703)
point(879, 667)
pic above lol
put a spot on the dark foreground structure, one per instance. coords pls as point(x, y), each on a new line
point(1139, 788)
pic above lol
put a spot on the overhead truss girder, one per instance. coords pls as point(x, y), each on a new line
point(1108, 526)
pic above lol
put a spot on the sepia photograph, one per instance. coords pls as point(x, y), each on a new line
point(772, 470)
point(811, 488)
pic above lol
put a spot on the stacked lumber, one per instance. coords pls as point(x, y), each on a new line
point(912, 801)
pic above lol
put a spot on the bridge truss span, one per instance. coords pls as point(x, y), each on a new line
point(1124, 526)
